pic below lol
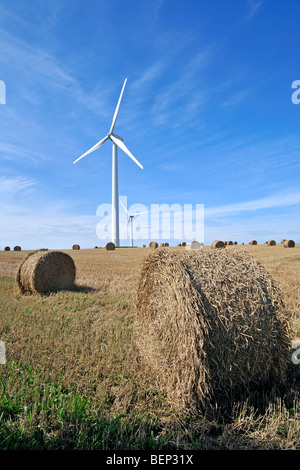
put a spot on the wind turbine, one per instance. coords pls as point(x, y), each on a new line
point(117, 141)
point(130, 219)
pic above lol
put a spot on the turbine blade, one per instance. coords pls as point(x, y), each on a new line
point(124, 207)
point(122, 146)
point(140, 213)
point(93, 148)
point(117, 110)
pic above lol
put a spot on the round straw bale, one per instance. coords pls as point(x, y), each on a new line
point(75, 247)
point(44, 271)
point(253, 242)
point(167, 244)
point(235, 243)
point(271, 243)
point(7, 248)
point(283, 240)
point(195, 245)
point(218, 244)
point(230, 243)
point(183, 244)
point(179, 244)
point(144, 246)
point(17, 248)
point(226, 243)
point(110, 246)
point(162, 244)
point(153, 245)
point(289, 244)
point(210, 324)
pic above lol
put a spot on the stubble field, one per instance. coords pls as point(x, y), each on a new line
point(73, 379)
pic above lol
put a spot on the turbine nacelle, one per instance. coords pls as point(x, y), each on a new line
point(119, 141)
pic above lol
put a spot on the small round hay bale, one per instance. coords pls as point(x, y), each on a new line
point(95, 247)
point(144, 246)
point(289, 244)
point(235, 243)
point(210, 325)
point(110, 246)
point(242, 243)
point(253, 242)
point(218, 244)
point(167, 244)
point(225, 243)
point(153, 245)
point(194, 245)
point(283, 240)
point(230, 243)
point(7, 248)
point(271, 243)
point(44, 271)
point(17, 248)
point(162, 245)
point(183, 244)
point(75, 247)
point(179, 244)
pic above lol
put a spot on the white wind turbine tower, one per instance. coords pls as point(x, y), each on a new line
point(130, 219)
point(116, 142)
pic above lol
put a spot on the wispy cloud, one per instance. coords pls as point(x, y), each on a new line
point(254, 6)
point(15, 185)
point(274, 201)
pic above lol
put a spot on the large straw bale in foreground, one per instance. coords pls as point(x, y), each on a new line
point(210, 323)
point(44, 271)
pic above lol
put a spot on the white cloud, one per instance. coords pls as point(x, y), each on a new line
point(15, 185)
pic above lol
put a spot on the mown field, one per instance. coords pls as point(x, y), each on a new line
point(73, 379)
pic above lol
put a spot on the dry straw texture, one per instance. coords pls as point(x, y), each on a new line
point(288, 243)
point(218, 244)
point(76, 247)
point(44, 271)
point(153, 245)
point(17, 248)
point(271, 243)
point(210, 324)
point(110, 246)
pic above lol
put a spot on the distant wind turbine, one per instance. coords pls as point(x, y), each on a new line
point(116, 142)
point(130, 219)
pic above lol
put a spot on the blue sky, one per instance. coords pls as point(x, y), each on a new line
point(207, 110)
